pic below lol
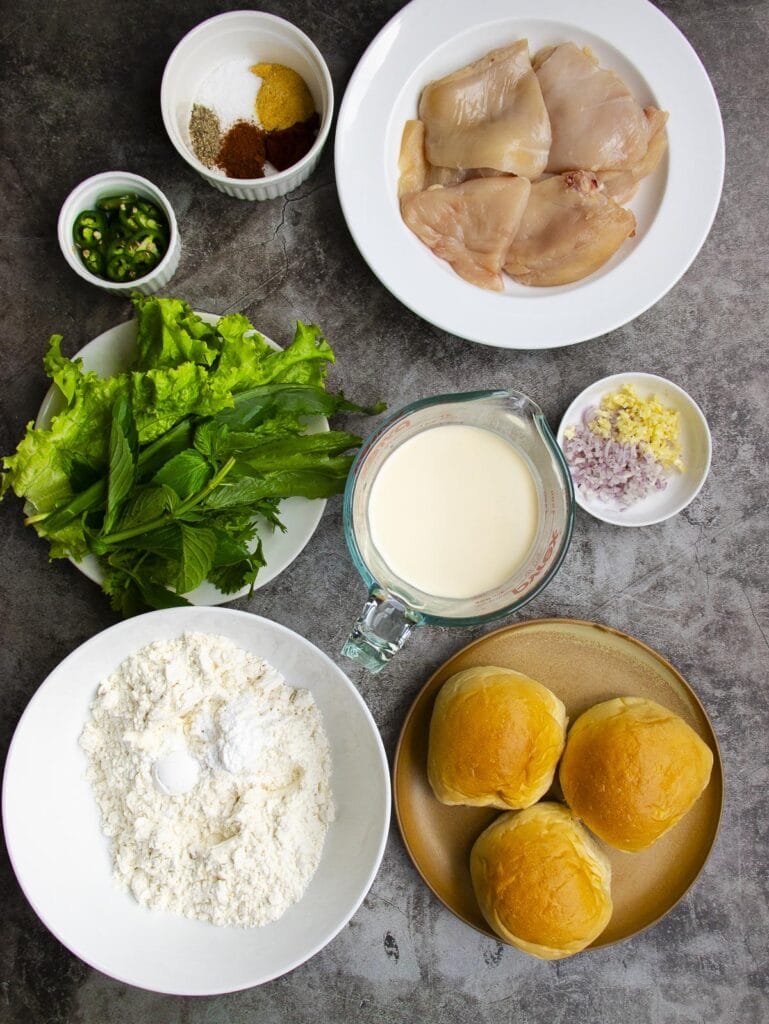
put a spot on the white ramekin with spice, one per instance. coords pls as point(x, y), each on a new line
point(247, 101)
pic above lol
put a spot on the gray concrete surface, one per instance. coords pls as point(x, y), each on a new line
point(80, 83)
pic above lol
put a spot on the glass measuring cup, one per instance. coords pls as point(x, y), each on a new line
point(394, 606)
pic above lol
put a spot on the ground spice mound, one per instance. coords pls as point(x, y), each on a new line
point(205, 134)
point(286, 146)
point(283, 98)
point(242, 152)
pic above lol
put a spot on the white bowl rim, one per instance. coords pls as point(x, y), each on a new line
point(78, 266)
point(629, 376)
point(189, 157)
point(383, 764)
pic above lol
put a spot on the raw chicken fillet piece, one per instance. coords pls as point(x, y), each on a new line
point(596, 123)
point(470, 225)
point(488, 114)
point(569, 229)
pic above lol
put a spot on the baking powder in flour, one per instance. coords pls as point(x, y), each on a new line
point(213, 780)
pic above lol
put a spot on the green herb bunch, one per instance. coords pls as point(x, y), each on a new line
point(165, 472)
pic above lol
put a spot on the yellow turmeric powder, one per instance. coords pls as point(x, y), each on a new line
point(283, 98)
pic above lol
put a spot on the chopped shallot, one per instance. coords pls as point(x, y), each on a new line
point(619, 474)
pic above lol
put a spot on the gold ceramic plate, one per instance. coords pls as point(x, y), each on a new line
point(583, 663)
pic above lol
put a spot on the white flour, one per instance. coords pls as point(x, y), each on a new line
point(213, 780)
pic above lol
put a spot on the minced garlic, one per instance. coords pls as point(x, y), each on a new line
point(626, 417)
point(283, 98)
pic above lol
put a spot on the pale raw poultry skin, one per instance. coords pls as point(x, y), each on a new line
point(596, 123)
point(488, 114)
point(569, 229)
point(470, 225)
point(415, 173)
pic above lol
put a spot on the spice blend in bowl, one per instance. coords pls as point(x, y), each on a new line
point(637, 447)
point(247, 100)
point(253, 121)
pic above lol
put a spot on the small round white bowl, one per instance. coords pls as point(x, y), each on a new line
point(257, 37)
point(696, 447)
point(84, 197)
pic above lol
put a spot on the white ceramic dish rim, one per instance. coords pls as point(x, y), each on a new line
point(189, 157)
point(64, 228)
point(384, 778)
point(605, 386)
point(206, 594)
point(536, 318)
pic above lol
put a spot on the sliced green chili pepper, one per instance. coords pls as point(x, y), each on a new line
point(148, 240)
point(121, 268)
point(136, 216)
point(93, 260)
point(115, 202)
point(125, 238)
point(90, 228)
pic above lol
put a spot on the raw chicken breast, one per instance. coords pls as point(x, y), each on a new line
point(412, 163)
point(596, 123)
point(470, 225)
point(416, 174)
point(569, 229)
point(488, 114)
point(621, 186)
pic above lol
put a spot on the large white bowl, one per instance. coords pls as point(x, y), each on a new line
point(674, 207)
point(61, 858)
point(253, 36)
point(84, 197)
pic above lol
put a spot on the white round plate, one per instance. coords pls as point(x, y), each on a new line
point(62, 861)
point(681, 488)
point(674, 207)
point(114, 351)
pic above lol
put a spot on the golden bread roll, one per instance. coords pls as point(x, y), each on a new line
point(632, 769)
point(541, 881)
point(495, 739)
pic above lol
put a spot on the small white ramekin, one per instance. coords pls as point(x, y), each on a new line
point(257, 37)
point(84, 197)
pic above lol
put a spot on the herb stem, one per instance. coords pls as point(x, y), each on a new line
point(169, 517)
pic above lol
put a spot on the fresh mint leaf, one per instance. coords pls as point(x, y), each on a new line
point(211, 440)
point(146, 504)
point(160, 597)
point(246, 491)
point(229, 551)
point(123, 445)
point(198, 546)
point(232, 574)
point(156, 454)
point(185, 473)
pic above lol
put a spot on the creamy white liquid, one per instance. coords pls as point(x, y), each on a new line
point(453, 511)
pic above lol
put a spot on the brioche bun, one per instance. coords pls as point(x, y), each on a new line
point(541, 882)
point(632, 769)
point(495, 739)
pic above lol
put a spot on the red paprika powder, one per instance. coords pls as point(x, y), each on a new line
point(242, 152)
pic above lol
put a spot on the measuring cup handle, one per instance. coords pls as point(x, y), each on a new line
point(381, 630)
